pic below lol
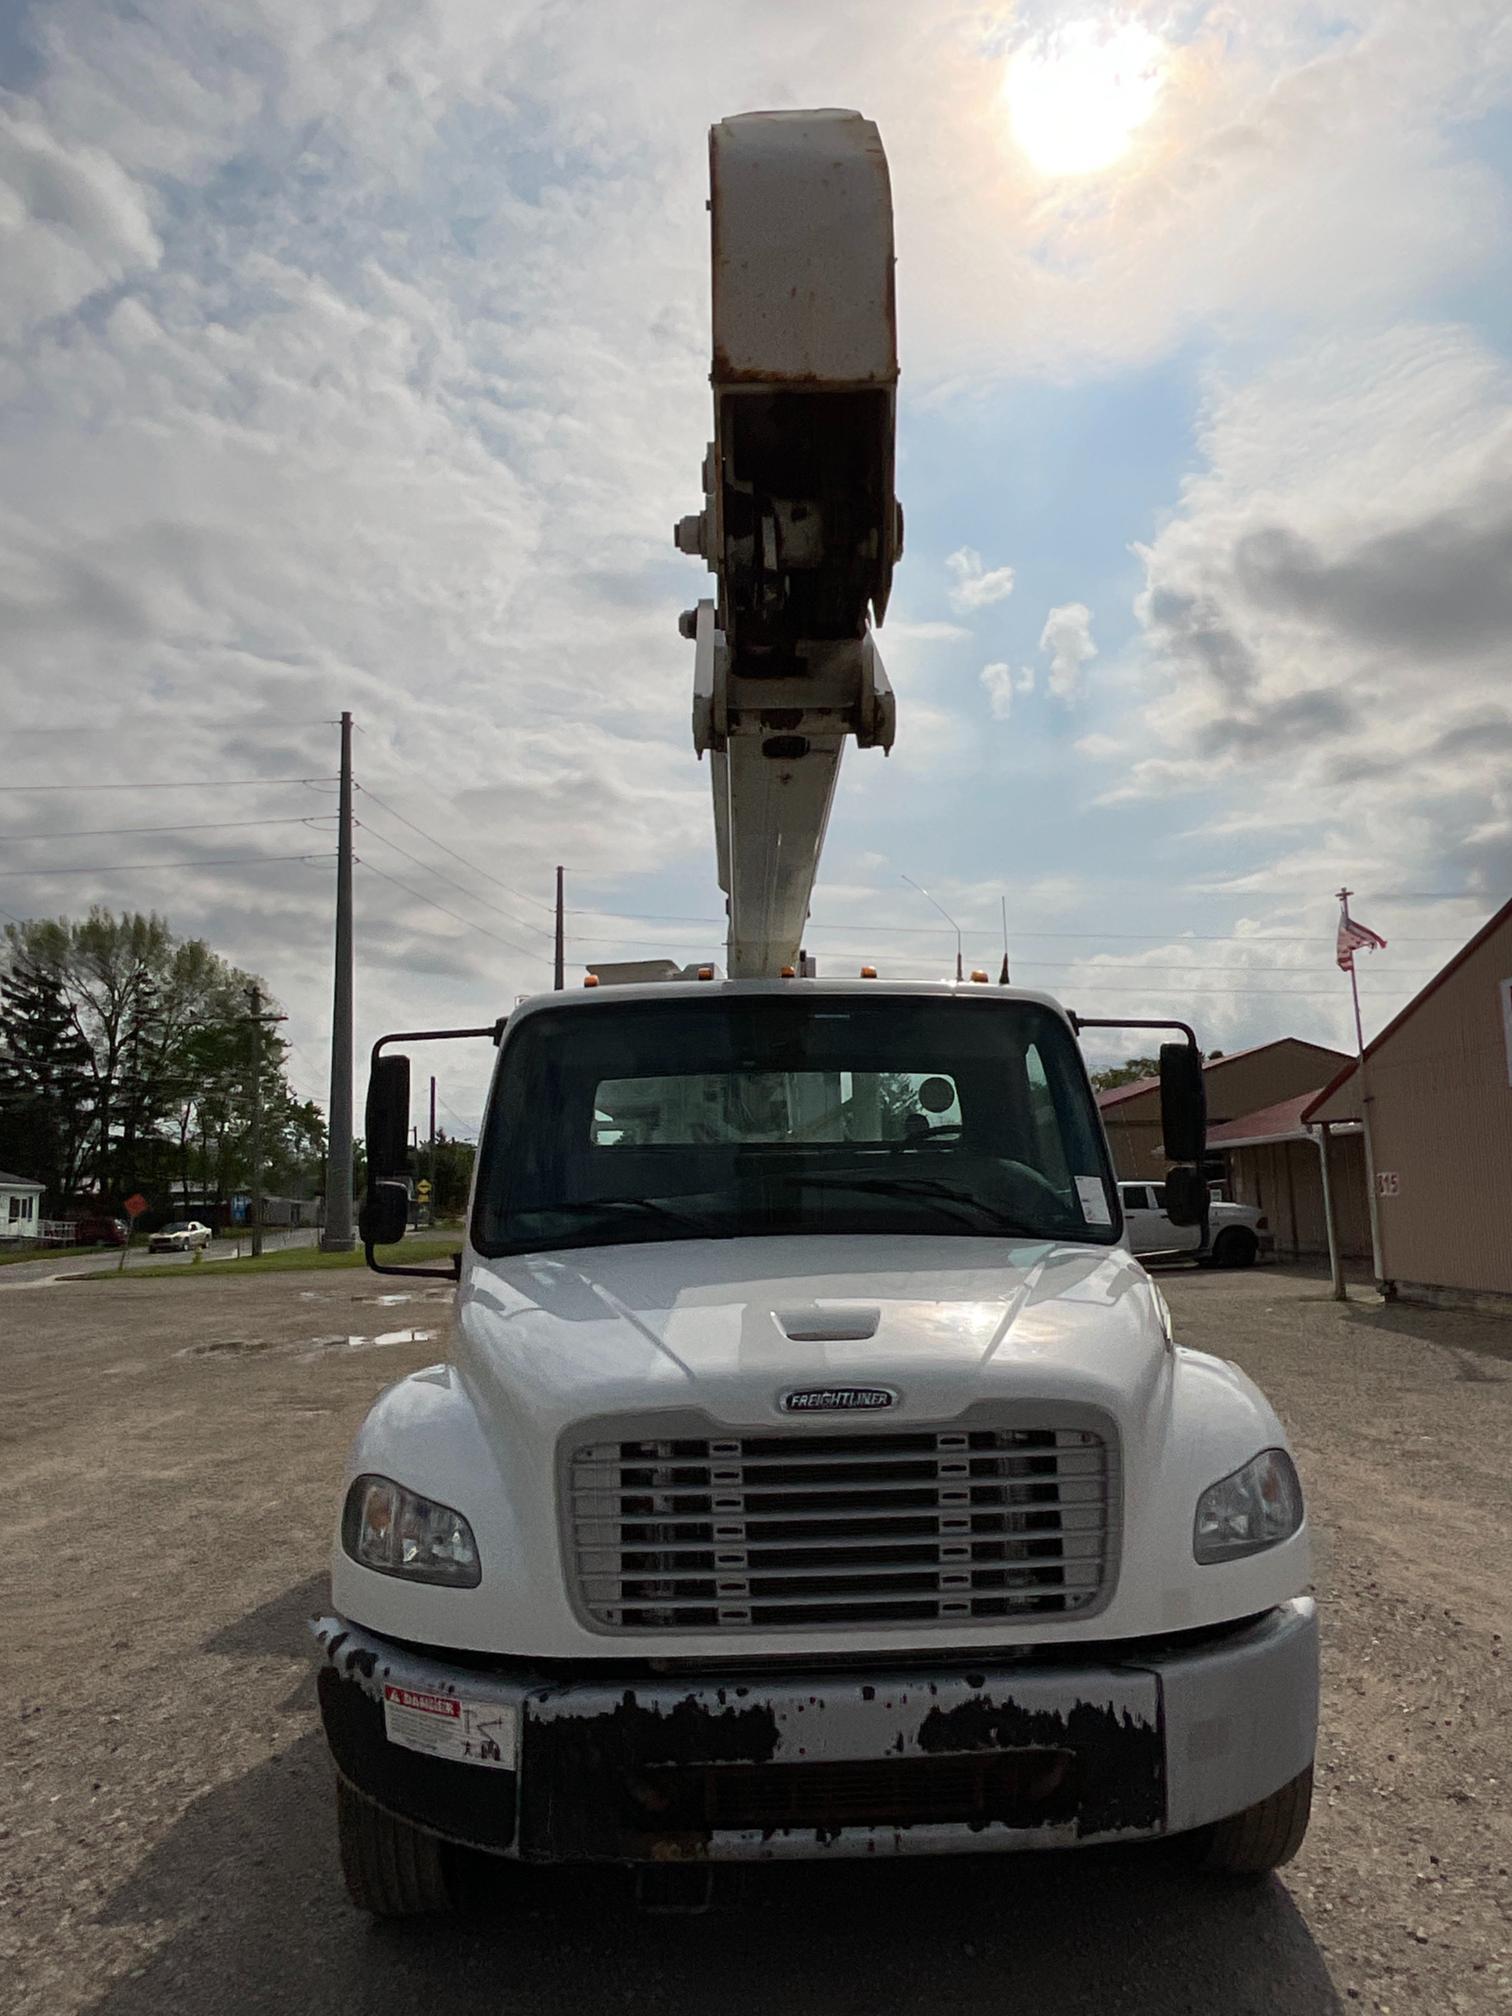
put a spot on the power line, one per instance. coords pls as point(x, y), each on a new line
point(508, 888)
point(174, 784)
point(1039, 965)
point(450, 880)
point(1177, 937)
point(196, 826)
point(132, 867)
point(419, 895)
point(473, 1124)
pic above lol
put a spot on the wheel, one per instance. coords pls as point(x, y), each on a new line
point(1235, 1248)
point(1263, 1836)
point(392, 1869)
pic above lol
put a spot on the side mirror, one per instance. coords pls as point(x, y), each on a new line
point(1183, 1107)
point(388, 1121)
point(1186, 1196)
point(384, 1216)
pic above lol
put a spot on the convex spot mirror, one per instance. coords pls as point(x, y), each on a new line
point(1186, 1196)
point(937, 1095)
point(384, 1216)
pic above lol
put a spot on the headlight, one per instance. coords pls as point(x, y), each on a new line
point(1254, 1508)
point(383, 1526)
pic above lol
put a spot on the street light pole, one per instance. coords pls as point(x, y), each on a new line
point(960, 961)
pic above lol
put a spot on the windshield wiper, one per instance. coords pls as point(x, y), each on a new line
point(646, 1207)
point(929, 1188)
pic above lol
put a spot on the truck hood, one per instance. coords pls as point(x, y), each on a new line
point(727, 1326)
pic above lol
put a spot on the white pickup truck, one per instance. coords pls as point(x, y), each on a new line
point(814, 1471)
point(1235, 1235)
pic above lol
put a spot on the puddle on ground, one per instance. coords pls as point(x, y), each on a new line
point(384, 1341)
point(308, 1349)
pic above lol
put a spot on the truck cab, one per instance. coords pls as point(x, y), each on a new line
point(814, 1471)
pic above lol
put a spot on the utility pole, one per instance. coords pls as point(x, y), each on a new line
point(433, 1149)
point(559, 969)
point(338, 1236)
point(254, 1030)
point(1365, 1104)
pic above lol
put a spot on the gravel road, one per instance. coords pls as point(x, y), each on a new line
point(171, 1453)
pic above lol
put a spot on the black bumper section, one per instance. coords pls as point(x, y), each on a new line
point(637, 1781)
point(457, 1800)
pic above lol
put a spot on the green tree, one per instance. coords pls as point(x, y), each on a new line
point(453, 1175)
point(44, 1081)
point(1127, 1073)
point(156, 1034)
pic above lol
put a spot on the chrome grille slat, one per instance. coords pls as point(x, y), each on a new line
point(682, 1533)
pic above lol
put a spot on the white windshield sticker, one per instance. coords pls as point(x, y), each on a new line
point(441, 1725)
point(1094, 1200)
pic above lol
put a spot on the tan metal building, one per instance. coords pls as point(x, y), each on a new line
point(1237, 1084)
point(1438, 1085)
point(1274, 1160)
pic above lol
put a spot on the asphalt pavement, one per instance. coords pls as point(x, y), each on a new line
point(61, 1265)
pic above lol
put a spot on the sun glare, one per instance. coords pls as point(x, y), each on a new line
point(1077, 95)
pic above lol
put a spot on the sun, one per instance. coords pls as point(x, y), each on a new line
point(1077, 95)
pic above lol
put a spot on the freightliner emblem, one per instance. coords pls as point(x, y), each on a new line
point(837, 1399)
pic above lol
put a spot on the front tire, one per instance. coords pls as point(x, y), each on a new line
point(392, 1869)
point(1263, 1837)
point(1235, 1248)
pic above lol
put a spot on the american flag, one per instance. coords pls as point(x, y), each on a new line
point(1355, 938)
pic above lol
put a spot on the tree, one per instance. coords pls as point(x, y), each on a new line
point(1127, 1073)
point(45, 1087)
point(453, 1177)
point(151, 1035)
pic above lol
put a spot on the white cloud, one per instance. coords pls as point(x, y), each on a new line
point(1067, 640)
point(71, 222)
point(1000, 682)
point(973, 585)
point(1325, 616)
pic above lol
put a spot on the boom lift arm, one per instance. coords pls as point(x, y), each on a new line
point(799, 526)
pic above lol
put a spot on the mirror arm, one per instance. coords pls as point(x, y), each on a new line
point(451, 1272)
point(1080, 1022)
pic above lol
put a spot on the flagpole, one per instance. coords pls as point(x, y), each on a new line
point(1365, 1102)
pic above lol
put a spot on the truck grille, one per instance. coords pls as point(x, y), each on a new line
point(937, 1527)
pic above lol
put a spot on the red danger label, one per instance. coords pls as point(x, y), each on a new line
point(425, 1704)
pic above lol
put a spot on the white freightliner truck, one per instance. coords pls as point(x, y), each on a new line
point(815, 1472)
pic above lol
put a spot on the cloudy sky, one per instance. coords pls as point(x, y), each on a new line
point(353, 353)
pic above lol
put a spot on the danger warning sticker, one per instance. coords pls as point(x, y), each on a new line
point(443, 1725)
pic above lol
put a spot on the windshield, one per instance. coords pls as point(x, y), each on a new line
point(759, 1113)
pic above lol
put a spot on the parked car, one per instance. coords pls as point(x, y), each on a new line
point(1237, 1233)
point(182, 1236)
point(101, 1231)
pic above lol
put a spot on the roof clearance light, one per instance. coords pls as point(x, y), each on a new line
point(590, 980)
point(979, 976)
point(787, 973)
point(868, 972)
point(706, 972)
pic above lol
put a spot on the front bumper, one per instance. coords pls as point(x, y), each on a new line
point(768, 1762)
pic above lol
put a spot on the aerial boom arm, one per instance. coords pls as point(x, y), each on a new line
point(800, 525)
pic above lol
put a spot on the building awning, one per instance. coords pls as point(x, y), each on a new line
point(1284, 1121)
